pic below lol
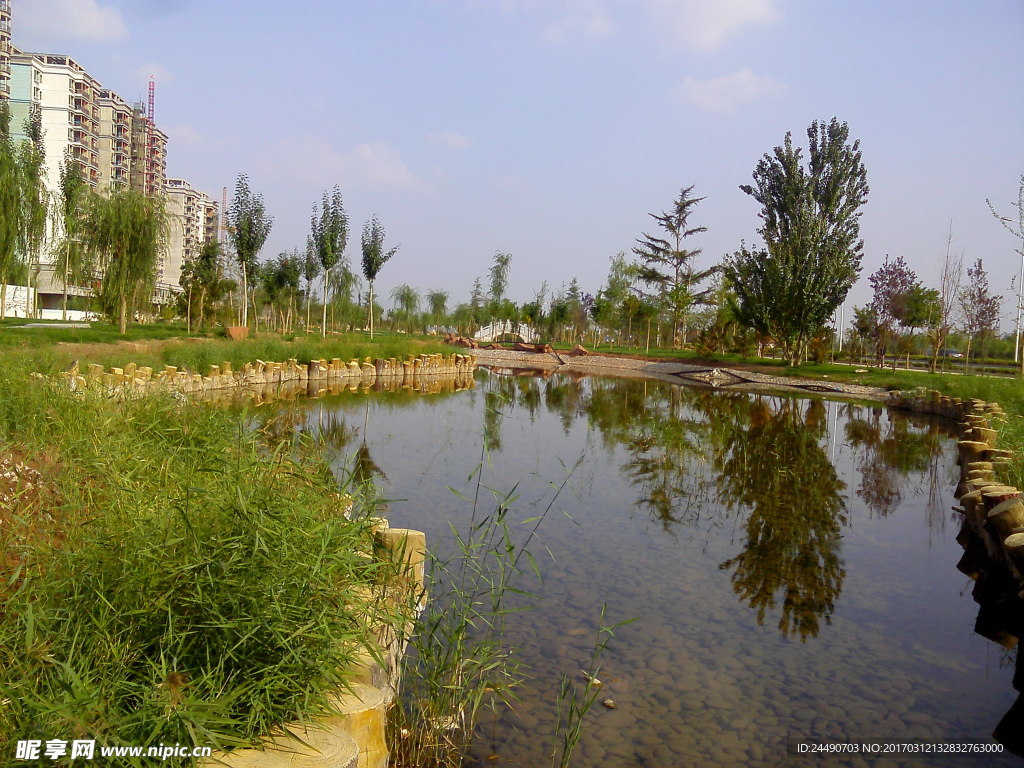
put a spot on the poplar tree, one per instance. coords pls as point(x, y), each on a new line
point(35, 200)
point(72, 258)
point(248, 227)
point(328, 236)
point(374, 256)
point(811, 229)
point(10, 202)
point(310, 271)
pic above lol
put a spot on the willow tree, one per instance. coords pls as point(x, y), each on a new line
point(127, 231)
point(72, 258)
point(811, 229)
point(407, 300)
point(438, 303)
point(248, 226)
point(374, 256)
point(328, 237)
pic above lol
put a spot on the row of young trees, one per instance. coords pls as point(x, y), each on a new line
point(209, 279)
point(785, 291)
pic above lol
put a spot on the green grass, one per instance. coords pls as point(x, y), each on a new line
point(197, 354)
point(170, 575)
point(14, 334)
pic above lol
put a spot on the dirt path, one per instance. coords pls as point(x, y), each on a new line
point(692, 373)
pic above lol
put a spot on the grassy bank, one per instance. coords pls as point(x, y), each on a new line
point(167, 574)
point(48, 355)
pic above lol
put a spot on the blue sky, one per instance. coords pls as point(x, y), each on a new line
point(550, 128)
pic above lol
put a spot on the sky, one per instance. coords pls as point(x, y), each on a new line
point(550, 129)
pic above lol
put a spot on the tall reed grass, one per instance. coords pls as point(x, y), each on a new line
point(180, 579)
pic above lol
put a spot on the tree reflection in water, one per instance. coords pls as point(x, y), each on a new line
point(766, 460)
point(699, 458)
point(774, 468)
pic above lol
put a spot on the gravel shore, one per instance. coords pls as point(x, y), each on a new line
point(674, 372)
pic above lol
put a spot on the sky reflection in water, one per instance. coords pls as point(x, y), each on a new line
point(790, 562)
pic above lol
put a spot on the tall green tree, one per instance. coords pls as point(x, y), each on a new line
point(280, 280)
point(200, 276)
point(310, 271)
point(329, 235)
point(811, 228)
point(35, 200)
point(127, 230)
point(72, 259)
point(667, 267)
point(10, 202)
point(374, 256)
point(248, 227)
point(498, 274)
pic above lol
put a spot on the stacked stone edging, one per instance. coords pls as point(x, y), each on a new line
point(412, 372)
point(991, 533)
point(993, 512)
point(354, 735)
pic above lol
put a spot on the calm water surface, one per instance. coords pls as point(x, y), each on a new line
point(790, 563)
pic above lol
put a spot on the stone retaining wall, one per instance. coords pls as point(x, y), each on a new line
point(991, 533)
point(318, 374)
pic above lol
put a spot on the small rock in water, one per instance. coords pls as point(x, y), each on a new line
point(591, 679)
point(609, 704)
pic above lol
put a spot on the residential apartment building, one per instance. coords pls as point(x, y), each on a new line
point(5, 48)
point(114, 143)
point(193, 221)
point(67, 96)
point(115, 138)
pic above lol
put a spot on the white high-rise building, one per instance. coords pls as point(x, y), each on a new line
point(193, 221)
point(114, 143)
point(5, 48)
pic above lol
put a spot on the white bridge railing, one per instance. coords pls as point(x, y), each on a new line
point(496, 330)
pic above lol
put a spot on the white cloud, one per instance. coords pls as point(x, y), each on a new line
point(706, 24)
point(68, 19)
point(375, 164)
point(721, 94)
point(449, 139)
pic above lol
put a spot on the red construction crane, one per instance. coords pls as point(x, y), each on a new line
point(150, 184)
point(223, 234)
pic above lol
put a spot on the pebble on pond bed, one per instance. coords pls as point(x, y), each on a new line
point(609, 704)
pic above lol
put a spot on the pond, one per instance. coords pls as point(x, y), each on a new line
point(790, 563)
